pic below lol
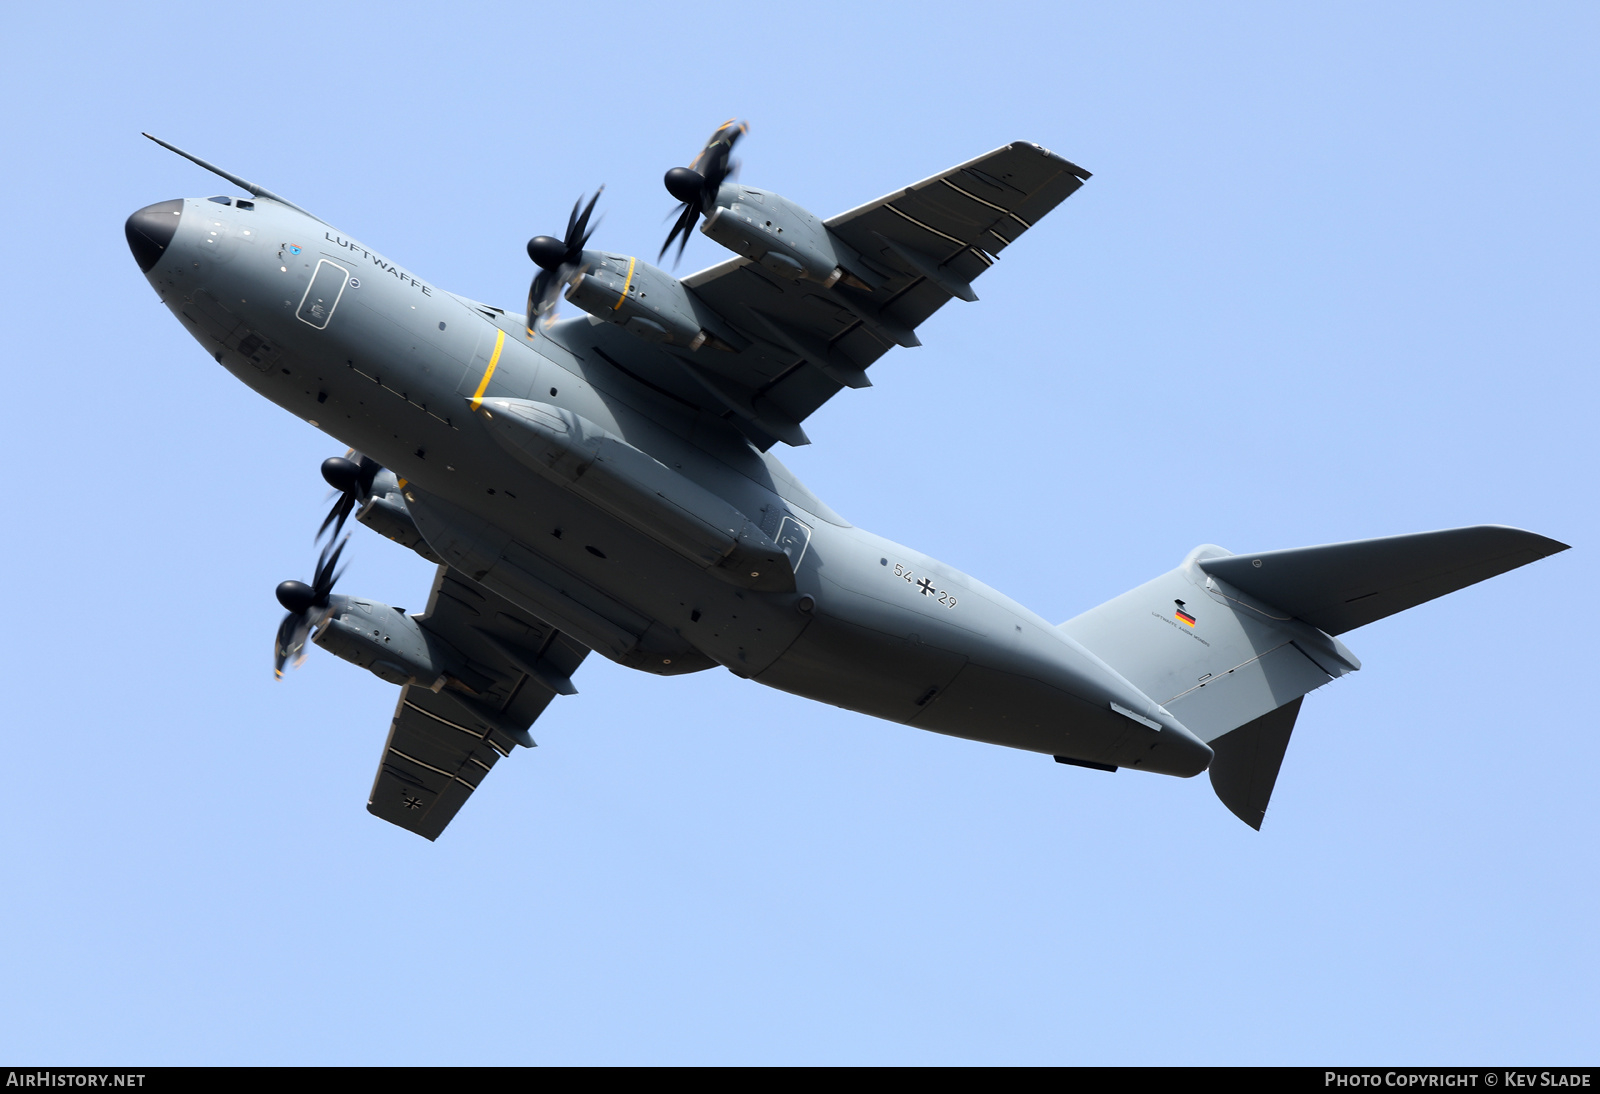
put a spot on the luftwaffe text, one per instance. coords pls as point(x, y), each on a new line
point(381, 263)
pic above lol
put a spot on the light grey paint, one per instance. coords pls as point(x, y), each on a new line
point(612, 540)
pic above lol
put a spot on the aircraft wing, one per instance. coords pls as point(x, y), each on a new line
point(928, 241)
point(442, 744)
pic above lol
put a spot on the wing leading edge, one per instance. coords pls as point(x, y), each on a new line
point(442, 744)
point(927, 242)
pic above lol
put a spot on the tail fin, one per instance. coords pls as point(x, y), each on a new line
point(1230, 643)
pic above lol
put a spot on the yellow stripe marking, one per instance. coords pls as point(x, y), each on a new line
point(625, 285)
point(494, 359)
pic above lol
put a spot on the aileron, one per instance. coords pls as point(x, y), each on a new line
point(443, 742)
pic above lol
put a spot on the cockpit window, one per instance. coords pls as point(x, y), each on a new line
point(221, 201)
point(243, 204)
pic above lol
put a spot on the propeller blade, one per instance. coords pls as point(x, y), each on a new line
point(687, 215)
point(578, 230)
point(322, 582)
point(291, 643)
point(559, 260)
point(338, 514)
point(544, 293)
point(697, 185)
point(308, 607)
point(353, 480)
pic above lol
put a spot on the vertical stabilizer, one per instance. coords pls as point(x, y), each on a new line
point(1245, 766)
point(1229, 644)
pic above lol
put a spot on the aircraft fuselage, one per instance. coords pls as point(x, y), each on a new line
point(403, 371)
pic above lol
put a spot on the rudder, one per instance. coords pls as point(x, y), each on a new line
point(1229, 644)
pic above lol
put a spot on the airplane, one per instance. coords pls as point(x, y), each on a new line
point(607, 483)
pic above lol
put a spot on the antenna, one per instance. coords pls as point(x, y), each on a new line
point(255, 191)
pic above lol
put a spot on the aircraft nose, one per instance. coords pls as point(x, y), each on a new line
point(151, 229)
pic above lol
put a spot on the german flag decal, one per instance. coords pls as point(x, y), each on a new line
point(1182, 616)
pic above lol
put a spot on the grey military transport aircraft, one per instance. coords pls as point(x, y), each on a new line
point(606, 483)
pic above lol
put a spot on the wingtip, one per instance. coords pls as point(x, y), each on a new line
point(1555, 545)
point(1541, 543)
point(1079, 172)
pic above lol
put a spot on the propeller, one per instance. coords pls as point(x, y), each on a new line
point(353, 480)
point(697, 185)
point(308, 607)
point(559, 260)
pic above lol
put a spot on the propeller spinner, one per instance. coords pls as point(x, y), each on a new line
point(559, 260)
point(308, 606)
point(353, 480)
point(697, 185)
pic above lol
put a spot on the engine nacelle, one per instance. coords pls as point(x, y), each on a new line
point(385, 512)
point(383, 640)
point(784, 238)
point(645, 300)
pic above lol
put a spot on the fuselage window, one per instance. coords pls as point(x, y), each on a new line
point(322, 295)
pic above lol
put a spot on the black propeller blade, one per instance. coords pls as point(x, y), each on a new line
point(353, 480)
point(559, 260)
point(307, 605)
point(696, 186)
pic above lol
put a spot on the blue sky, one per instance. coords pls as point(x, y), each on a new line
point(1334, 277)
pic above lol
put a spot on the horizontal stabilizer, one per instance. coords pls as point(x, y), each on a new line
point(1341, 586)
point(1244, 768)
point(1230, 643)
